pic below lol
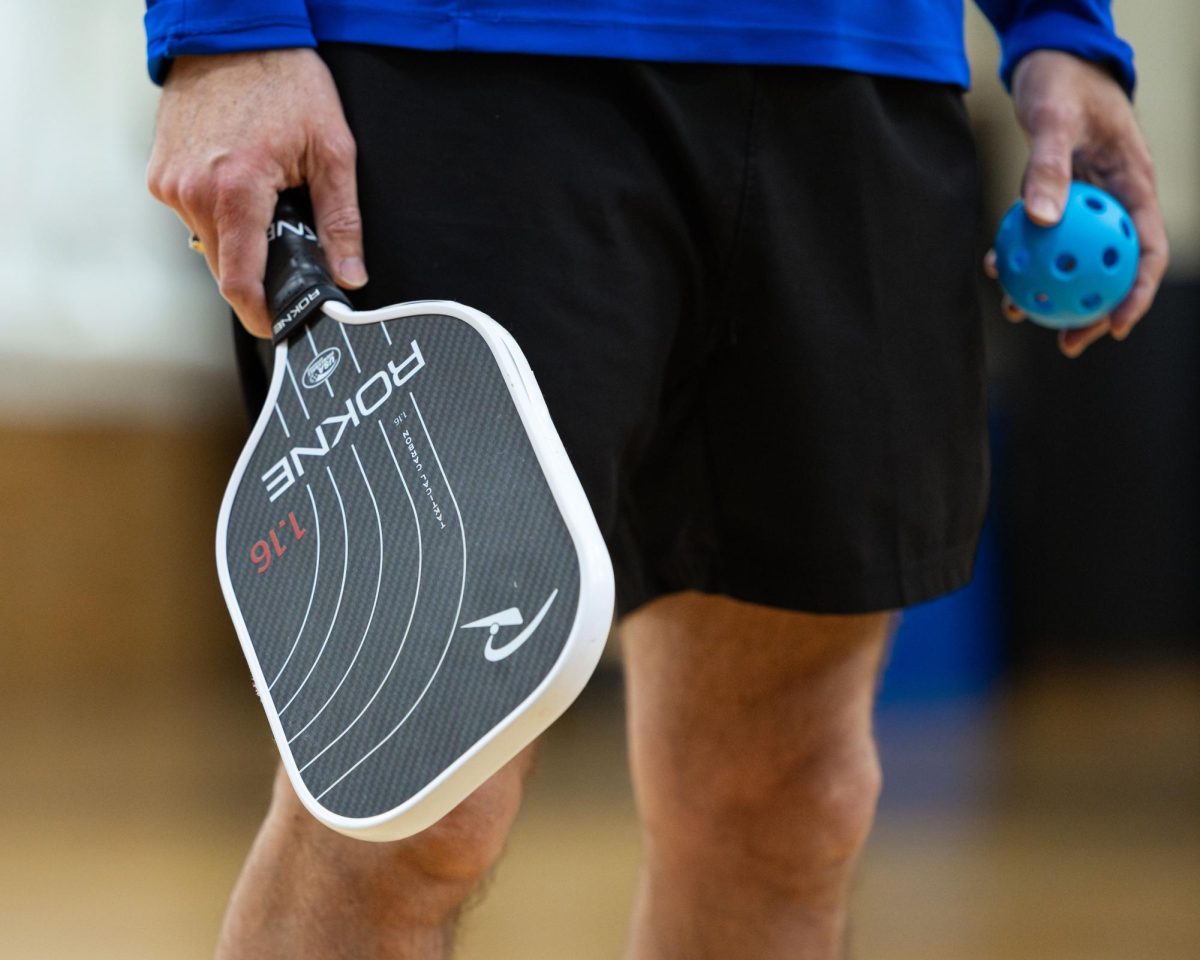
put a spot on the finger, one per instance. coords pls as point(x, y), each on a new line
point(1073, 342)
point(210, 245)
point(334, 190)
point(989, 265)
point(1053, 134)
point(191, 201)
point(1138, 194)
point(243, 213)
point(1012, 313)
point(204, 241)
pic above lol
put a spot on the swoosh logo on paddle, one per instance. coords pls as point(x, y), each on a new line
point(320, 368)
point(509, 618)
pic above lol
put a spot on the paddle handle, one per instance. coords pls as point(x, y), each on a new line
point(297, 280)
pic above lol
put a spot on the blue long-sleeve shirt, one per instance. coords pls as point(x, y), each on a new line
point(921, 39)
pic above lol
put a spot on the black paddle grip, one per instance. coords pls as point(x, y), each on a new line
point(297, 280)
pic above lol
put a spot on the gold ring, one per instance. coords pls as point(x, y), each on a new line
point(196, 243)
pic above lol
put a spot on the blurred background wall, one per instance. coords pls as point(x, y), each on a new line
point(1041, 732)
point(1099, 460)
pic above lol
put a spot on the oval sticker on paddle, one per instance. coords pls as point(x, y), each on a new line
point(321, 367)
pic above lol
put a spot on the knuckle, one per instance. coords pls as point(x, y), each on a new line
point(342, 222)
point(1047, 166)
point(232, 194)
point(1053, 115)
point(193, 191)
point(156, 180)
point(1149, 173)
point(231, 184)
point(162, 188)
point(339, 149)
point(239, 289)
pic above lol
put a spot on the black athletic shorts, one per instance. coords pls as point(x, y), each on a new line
point(748, 295)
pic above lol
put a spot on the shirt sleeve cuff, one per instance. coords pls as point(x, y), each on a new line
point(1070, 34)
point(214, 27)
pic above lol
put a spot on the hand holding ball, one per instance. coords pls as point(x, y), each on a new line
point(1071, 274)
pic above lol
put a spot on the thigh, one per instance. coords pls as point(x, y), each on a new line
point(860, 295)
point(840, 427)
point(518, 185)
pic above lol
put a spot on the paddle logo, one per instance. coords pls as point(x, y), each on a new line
point(508, 618)
point(320, 368)
point(372, 394)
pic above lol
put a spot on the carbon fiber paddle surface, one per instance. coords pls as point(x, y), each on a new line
point(404, 576)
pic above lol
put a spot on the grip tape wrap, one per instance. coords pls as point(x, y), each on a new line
point(297, 279)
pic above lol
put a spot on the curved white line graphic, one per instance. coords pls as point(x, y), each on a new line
point(283, 423)
point(342, 330)
point(499, 653)
point(462, 529)
point(411, 613)
point(312, 593)
point(313, 343)
point(295, 389)
point(342, 589)
point(374, 602)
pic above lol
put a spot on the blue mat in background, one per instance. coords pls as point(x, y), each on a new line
point(952, 647)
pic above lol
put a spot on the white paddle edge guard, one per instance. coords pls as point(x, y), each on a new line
point(585, 643)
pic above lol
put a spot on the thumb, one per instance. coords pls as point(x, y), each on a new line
point(334, 191)
point(1047, 176)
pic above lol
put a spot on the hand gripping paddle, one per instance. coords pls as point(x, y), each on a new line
point(414, 572)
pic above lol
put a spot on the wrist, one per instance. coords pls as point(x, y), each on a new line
point(189, 66)
point(1061, 61)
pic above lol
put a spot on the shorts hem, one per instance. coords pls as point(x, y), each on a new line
point(829, 592)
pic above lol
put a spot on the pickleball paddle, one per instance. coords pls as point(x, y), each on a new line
point(415, 575)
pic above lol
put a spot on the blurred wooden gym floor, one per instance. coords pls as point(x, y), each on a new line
point(1060, 820)
point(1060, 823)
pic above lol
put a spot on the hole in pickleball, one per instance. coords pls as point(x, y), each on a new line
point(1090, 302)
point(1126, 228)
point(1043, 303)
point(1018, 260)
point(1065, 262)
point(1095, 203)
point(1110, 257)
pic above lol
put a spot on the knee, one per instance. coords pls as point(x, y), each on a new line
point(783, 820)
point(464, 846)
point(423, 878)
point(832, 796)
point(751, 736)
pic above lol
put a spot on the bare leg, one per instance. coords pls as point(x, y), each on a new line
point(307, 893)
point(755, 772)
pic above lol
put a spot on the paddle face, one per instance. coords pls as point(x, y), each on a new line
point(416, 579)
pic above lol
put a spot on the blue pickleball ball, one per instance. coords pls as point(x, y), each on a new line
point(1072, 273)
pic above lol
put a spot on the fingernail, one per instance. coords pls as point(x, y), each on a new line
point(352, 272)
point(1044, 209)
